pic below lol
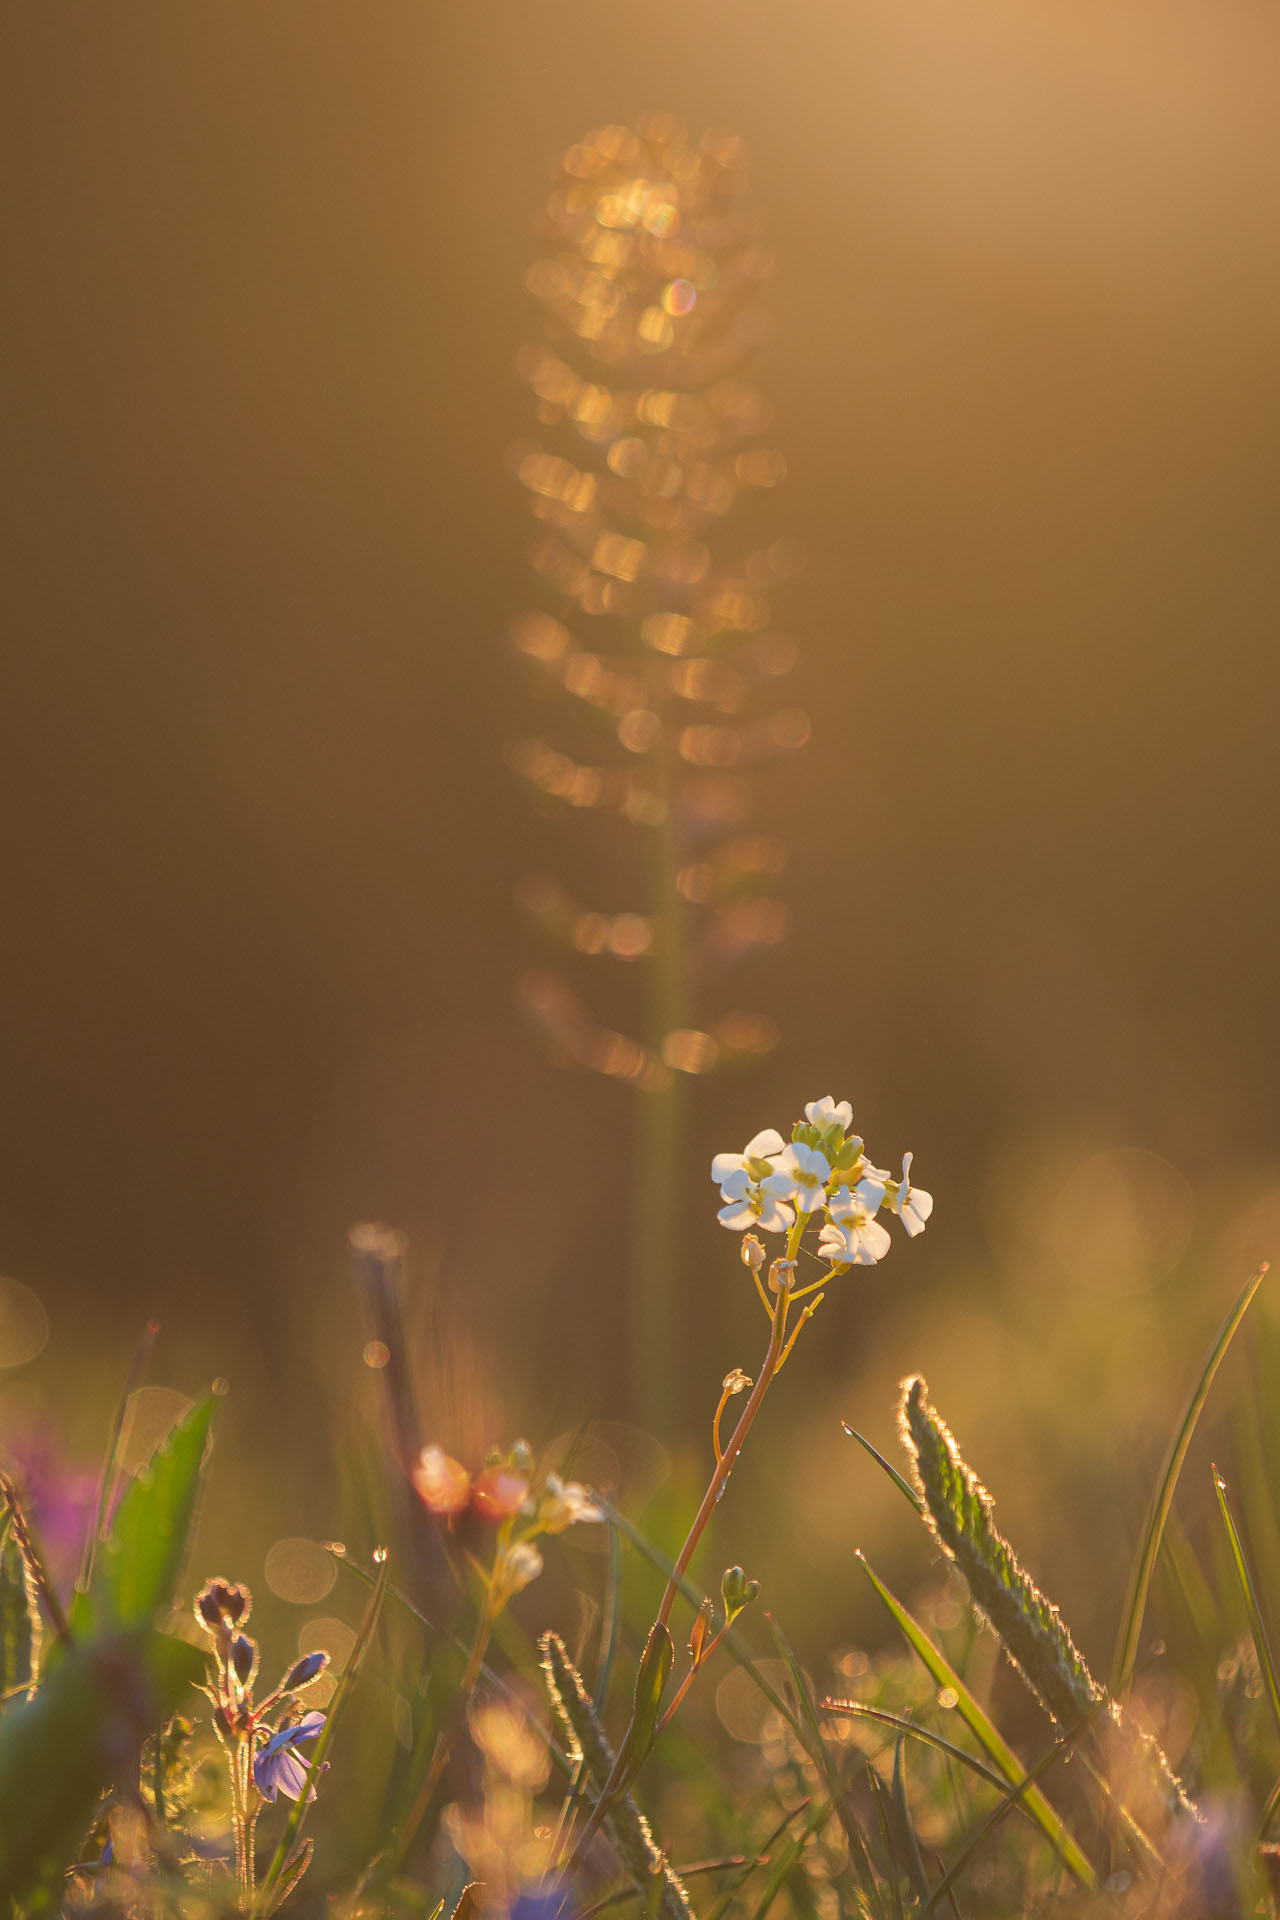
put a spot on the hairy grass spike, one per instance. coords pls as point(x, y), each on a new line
point(653, 635)
point(959, 1512)
point(625, 1824)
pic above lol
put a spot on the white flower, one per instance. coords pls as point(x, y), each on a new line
point(808, 1171)
point(756, 1203)
point(826, 1113)
point(764, 1146)
point(911, 1204)
point(563, 1503)
point(523, 1564)
point(853, 1236)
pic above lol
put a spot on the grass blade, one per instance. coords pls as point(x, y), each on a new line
point(992, 1821)
point(903, 1485)
point(789, 1857)
point(810, 1733)
point(1162, 1499)
point(269, 1894)
point(925, 1735)
point(993, 1744)
point(1256, 1626)
point(915, 1859)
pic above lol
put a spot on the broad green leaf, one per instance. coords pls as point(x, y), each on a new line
point(63, 1747)
point(1162, 1499)
point(138, 1566)
point(1001, 1755)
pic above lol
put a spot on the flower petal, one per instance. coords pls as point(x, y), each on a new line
point(726, 1164)
point(764, 1145)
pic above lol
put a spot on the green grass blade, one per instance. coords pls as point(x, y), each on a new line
point(790, 1857)
point(1162, 1499)
point(903, 1485)
point(814, 1740)
point(989, 1825)
point(1256, 1626)
point(925, 1735)
point(907, 1826)
point(612, 1621)
point(269, 1894)
point(1001, 1755)
point(761, 1858)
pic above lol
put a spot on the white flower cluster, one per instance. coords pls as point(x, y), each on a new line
point(823, 1170)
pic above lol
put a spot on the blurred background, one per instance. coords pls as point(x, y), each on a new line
point(263, 548)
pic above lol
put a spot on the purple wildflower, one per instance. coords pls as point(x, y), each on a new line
point(277, 1769)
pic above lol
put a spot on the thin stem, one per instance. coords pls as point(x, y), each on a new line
point(725, 1465)
point(654, 1350)
point(695, 1669)
point(796, 1331)
point(729, 1393)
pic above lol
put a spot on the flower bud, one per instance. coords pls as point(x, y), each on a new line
point(220, 1606)
point(244, 1658)
point(521, 1457)
point(752, 1251)
point(304, 1671)
point(737, 1591)
point(499, 1492)
point(782, 1273)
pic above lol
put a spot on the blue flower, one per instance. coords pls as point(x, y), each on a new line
point(277, 1769)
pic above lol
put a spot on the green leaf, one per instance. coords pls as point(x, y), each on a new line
point(73, 1739)
point(1001, 1755)
point(1162, 1499)
point(138, 1566)
point(652, 1675)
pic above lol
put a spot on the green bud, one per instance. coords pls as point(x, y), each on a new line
point(737, 1591)
point(848, 1155)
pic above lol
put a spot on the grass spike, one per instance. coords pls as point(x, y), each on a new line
point(626, 1825)
point(1033, 1633)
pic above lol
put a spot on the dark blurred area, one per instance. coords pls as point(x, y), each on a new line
point(262, 548)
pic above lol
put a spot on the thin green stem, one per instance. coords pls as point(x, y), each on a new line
point(659, 1126)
